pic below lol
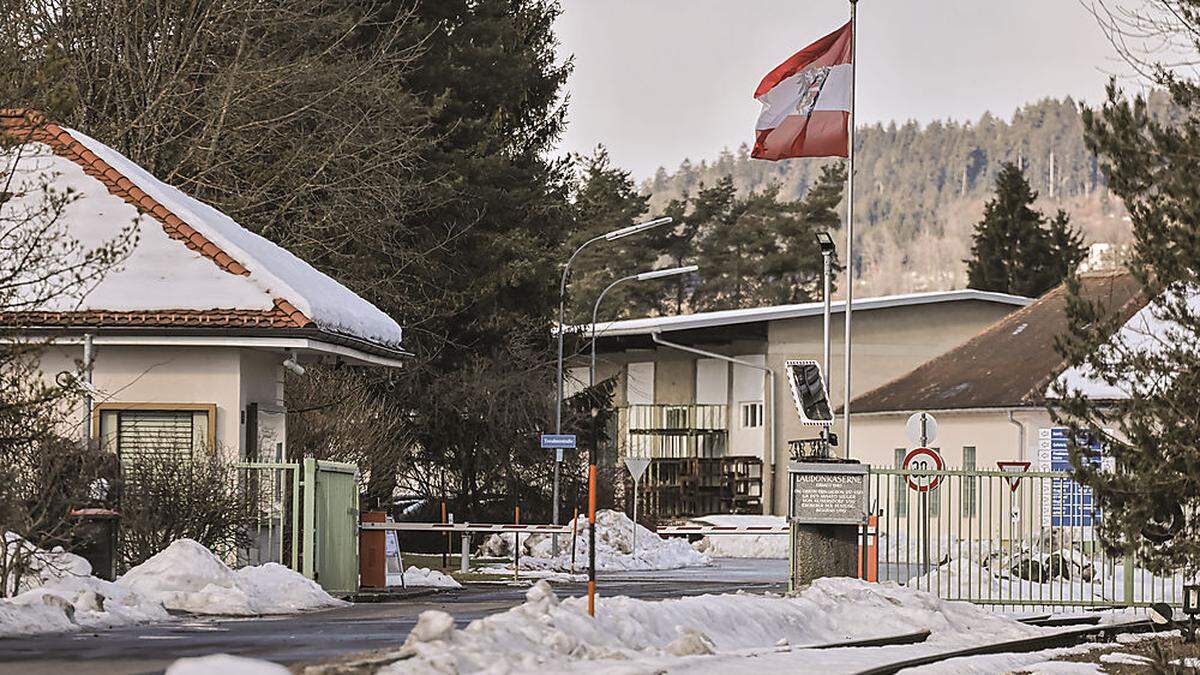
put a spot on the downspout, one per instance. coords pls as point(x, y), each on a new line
point(769, 474)
point(1021, 428)
point(89, 357)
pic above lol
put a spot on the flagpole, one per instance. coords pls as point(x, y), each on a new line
point(849, 310)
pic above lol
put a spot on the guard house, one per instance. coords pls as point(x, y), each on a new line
point(705, 395)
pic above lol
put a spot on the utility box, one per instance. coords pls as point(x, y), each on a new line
point(828, 504)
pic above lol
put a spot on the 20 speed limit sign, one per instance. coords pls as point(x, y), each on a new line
point(923, 459)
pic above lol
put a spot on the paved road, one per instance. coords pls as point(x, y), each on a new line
point(322, 635)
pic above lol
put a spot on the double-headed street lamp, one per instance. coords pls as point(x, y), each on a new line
point(644, 276)
point(562, 300)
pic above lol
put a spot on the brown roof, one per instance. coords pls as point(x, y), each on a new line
point(1010, 363)
point(26, 125)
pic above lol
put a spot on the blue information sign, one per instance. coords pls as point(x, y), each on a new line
point(559, 441)
point(1069, 504)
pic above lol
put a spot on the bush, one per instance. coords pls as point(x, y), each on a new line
point(165, 497)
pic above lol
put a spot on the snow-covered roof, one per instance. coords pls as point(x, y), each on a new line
point(1145, 332)
point(728, 317)
point(192, 264)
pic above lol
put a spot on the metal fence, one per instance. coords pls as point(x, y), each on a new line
point(273, 490)
point(1004, 539)
point(685, 430)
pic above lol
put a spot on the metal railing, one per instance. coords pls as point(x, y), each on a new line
point(678, 431)
point(974, 537)
point(273, 490)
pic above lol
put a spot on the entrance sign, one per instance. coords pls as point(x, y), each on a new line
point(1016, 469)
point(921, 428)
point(923, 459)
point(826, 493)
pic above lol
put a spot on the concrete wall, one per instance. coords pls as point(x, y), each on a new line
point(226, 377)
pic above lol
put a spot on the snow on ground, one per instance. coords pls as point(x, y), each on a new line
point(425, 577)
point(60, 594)
point(651, 636)
point(614, 552)
point(187, 577)
point(549, 575)
point(225, 664)
point(743, 545)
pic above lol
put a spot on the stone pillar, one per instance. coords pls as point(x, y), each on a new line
point(827, 504)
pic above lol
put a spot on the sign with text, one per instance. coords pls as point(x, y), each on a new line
point(558, 441)
point(827, 493)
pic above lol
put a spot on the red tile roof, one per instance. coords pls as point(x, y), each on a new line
point(27, 125)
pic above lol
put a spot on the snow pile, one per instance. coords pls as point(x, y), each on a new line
point(743, 545)
point(423, 576)
point(546, 633)
point(187, 577)
point(226, 665)
point(614, 552)
point(60, 594)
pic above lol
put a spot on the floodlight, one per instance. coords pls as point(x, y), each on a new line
point(825, 241)
point(634, 229)
point(808, 392)
point(658, 274)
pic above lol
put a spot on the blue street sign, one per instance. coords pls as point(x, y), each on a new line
point(559, 441)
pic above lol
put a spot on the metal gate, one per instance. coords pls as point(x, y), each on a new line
point(273, 491)
point(1005, 539)
point(330, 547)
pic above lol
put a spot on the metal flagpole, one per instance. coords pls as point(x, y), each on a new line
point(849, 229)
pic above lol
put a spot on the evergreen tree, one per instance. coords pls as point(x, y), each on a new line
point(1152, 431)
point(1012, 252)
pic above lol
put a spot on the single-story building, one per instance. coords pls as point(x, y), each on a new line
point(189, 335)
point(694, 392)
point(988, 395)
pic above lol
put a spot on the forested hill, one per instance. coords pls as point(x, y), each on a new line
point(920, 189)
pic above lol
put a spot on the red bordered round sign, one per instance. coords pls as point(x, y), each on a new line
point(923, 459)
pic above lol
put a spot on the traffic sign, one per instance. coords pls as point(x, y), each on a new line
point(923, 459)
point(637, 467)
point(1014, 467)
point(559, 441)
point(921, 428)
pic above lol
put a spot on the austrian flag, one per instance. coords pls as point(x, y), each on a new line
point(806, 101)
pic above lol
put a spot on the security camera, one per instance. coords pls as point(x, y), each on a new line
point(293, 365)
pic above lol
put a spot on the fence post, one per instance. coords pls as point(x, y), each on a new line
point(1128, 574)
point(309, 552)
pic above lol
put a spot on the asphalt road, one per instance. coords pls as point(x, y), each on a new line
point(319, 636)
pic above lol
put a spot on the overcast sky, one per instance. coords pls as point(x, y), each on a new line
point(660, 80)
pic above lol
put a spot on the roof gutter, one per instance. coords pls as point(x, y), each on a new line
point(769, 450)
point(1020, 434)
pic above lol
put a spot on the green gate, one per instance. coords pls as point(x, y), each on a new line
point(330, 547)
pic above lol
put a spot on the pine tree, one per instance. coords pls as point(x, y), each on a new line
point(1152, 432)
point(1011, 251)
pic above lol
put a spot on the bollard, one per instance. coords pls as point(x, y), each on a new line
point(869, 550)
point(464, 563)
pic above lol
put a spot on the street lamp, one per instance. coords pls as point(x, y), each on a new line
point(828, 250)
point(562, 299)
point(644, 276)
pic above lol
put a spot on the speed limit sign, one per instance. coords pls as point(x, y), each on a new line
point(923, 459)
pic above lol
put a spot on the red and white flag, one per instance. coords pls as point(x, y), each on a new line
point(806, 101)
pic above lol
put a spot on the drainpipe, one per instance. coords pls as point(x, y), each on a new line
point(769, 474)
point(89, 356)
point(1021, 429)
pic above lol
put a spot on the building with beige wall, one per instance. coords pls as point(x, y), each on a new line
point(988, 395)
point(695, 391)
point(181, 346)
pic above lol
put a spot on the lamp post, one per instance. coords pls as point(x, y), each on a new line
point(825, 241)
point(562, 299)
point(644, 276)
